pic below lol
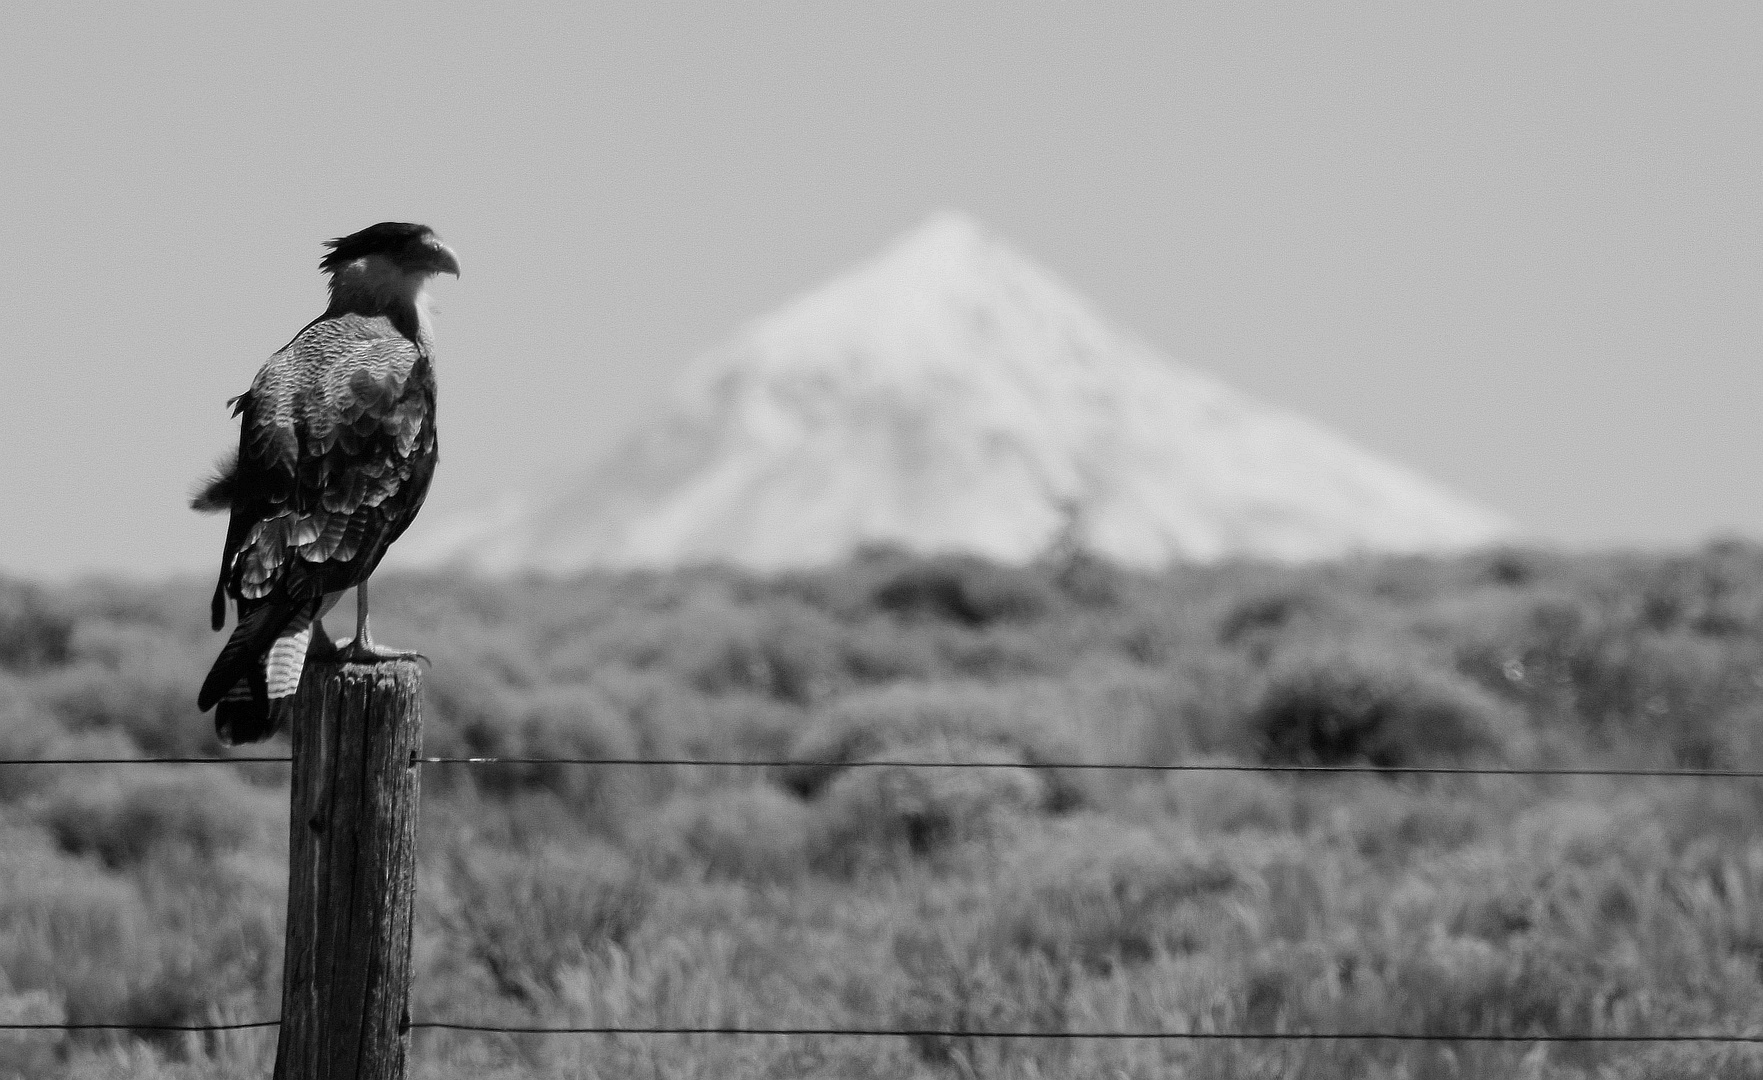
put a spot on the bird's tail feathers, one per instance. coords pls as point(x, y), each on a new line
point(242, 715)
point(263, 662)
point(287, 657)
point(245, 650)
point(215, 494)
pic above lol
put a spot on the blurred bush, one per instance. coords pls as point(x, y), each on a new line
point(1611, 667)
point(165, 946)
point(34, 631)
point(1271, 619)
point(964, 589)
point(1217, 802)
point(1348, 705)
point(1095, 894)
point(130, 678)
point(749, 832)
point(526, 915)
point(122, 820)
point(958, 982)
point(1034, 721)
point(887, 816)
point(27, 1055)
point(29, 732)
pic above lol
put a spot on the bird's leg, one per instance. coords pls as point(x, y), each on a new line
point(322, 649)
point(361, 649)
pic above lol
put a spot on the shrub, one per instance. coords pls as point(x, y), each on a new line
point(69, 928)
point(959, 982)
point(1097, 895)
point(28, 1054)
point(781, 649)
point(1617, 678)
point(130, 679)
point(34, 632)
point(1512, 568)
point(1343, 706)
point(1220, 801)
point(29, 732)
point(217, 930)
point(1258, 623)
point(1089, 580)
point(789, 653)
point(670, 720)
point(966, 590)
point(1192, 706)
point(571, 722)
point(561, 721)
point(223, 1056)
point(1679, 689)
point(881, 650)
point(1717, 591)
point(1396, 824)
point(1714, 1062)
point(753, 832)
point(471, 698)
point(525, 916)
point(1035, 721)
point(882, 817)
point(168, 943)
point(122, 822)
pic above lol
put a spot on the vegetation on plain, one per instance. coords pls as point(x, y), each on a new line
point(845, 888)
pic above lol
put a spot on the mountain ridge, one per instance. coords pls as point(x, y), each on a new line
point(950, 395)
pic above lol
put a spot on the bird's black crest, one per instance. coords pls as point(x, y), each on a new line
point(383, 239)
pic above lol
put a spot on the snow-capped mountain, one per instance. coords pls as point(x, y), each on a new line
point(949, 395)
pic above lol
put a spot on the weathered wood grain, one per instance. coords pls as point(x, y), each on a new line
point(351, 873)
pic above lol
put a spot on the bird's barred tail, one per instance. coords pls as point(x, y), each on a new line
point(242, 715)
point(252, 684)
point(287, 657)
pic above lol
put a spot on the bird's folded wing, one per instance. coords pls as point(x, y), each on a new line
point(331, 430)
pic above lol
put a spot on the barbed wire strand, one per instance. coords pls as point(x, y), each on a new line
point(873, 763)
point(1118, 766)
point(940, 1033)
point(142, 1027)
point(207, 760)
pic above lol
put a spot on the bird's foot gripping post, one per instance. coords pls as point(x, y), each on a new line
point(361, 648)
point(358, 651)
point(357, 730)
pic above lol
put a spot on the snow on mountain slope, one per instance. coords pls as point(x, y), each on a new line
point(950, 395)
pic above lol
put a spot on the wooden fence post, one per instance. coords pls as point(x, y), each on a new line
point(351, 873)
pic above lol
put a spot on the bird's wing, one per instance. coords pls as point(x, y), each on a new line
point(336, 444)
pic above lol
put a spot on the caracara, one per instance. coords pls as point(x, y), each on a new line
point(336, 448)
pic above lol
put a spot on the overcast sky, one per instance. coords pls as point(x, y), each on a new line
point(1518, 247)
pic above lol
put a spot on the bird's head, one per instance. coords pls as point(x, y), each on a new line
point(387, 263)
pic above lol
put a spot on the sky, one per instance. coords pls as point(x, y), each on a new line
point(1515, 246)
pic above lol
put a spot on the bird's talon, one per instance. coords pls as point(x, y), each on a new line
point(370, 653)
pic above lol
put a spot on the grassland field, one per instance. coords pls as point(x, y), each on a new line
point(1026, 899)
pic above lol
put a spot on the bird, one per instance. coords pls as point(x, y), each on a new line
point(337, 447)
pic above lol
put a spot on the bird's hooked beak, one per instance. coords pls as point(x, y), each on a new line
point(441, 258)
